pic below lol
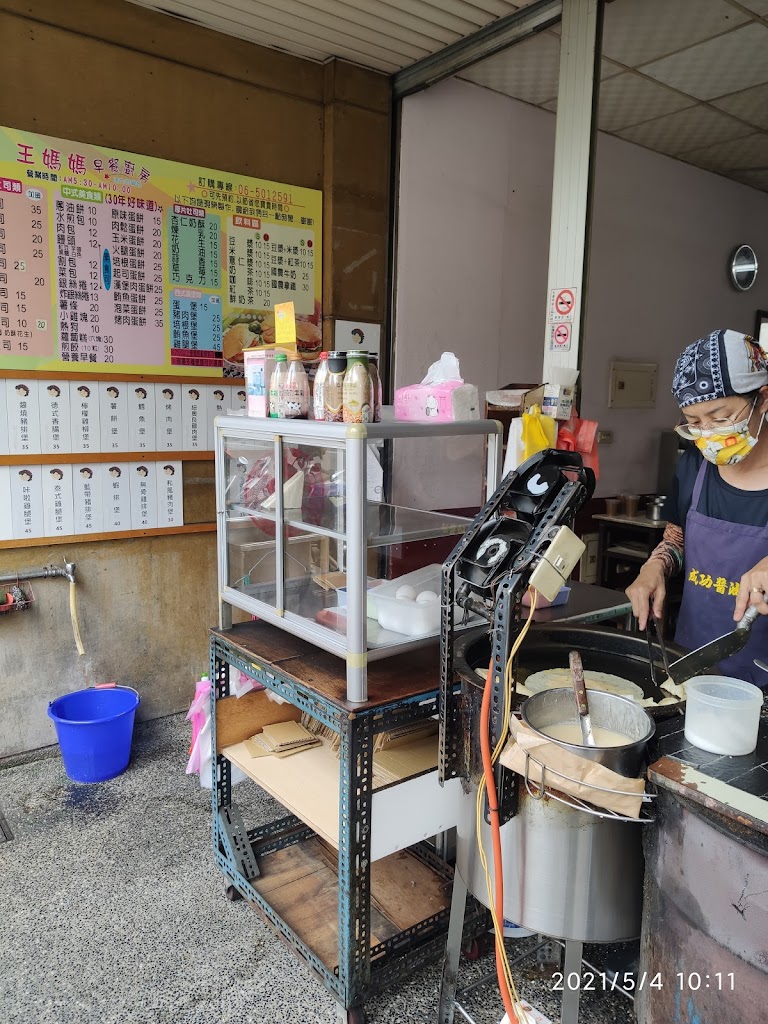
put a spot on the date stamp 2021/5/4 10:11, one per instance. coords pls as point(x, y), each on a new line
point(683, 981)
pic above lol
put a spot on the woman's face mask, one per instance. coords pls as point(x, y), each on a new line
point(727, 447)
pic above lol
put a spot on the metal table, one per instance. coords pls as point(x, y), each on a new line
point(587, 604)
point(401, 690)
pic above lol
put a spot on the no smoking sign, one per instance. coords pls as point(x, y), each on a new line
point(560, 336)
point(562, 305)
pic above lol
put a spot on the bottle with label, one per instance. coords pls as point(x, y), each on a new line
point(279, 374)
point(376, 398)
point(357, 389)
point(293, 393)
point(318, 391)
point(333, 397)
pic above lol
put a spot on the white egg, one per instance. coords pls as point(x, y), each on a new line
point(426, 597)
point(405, 593)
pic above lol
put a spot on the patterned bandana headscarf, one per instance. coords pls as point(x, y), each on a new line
point(725, 363)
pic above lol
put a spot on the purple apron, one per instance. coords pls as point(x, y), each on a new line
point(717, 554)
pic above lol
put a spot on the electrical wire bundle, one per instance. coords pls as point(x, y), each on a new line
point(512, 1005)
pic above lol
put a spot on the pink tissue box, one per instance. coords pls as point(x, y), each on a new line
point(438, 403)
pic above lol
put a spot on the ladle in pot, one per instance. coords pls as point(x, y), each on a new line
point(582, 703)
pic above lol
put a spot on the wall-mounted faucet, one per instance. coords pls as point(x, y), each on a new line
point(67, 572)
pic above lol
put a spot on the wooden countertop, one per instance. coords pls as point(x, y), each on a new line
point(403, 676)
point(395, 679)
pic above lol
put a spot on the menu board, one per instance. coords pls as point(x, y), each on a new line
point(111, 261)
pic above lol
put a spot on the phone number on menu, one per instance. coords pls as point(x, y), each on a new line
point(591, 981)
point(265, 193)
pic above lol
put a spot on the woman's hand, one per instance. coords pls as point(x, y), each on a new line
point(650, 586)
point(753, 589)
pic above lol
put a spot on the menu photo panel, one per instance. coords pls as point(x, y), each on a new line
point(143, 496)
point(27, 501)
point(58, 507)
point(85, 418)
point(23, 415)
point(142, 432)
point(116, 493)
point(55, 417)
point(194, 417)
point(168, 425)
point(170, 500)
point(87, 497)
point(113, 414)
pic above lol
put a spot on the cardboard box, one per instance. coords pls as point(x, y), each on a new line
point(555, 400)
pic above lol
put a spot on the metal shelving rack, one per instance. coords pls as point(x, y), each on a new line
point(353, 689)
point(361, 969)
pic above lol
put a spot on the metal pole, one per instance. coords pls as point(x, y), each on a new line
point(357, 557)
point(67, 571)
point(450, 977)
point(572, 182)
point(571, 990)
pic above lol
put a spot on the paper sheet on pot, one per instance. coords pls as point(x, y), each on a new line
point(581, 775)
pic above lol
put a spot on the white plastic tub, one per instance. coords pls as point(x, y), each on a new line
point(428, 578)
point(722, 715)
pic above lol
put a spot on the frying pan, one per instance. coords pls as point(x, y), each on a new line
point(548, 646)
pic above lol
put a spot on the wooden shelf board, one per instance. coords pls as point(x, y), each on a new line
point(74, 458)
point(87, 538)
point(301, 884)
point(308, 783)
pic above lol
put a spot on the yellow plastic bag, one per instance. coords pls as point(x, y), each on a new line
point(539, 432)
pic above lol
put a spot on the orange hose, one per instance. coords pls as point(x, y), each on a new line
point(493, 809)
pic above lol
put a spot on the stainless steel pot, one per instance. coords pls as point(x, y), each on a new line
point(608, 711)
point(568, 873)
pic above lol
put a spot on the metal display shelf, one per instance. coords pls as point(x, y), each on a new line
point(369, 948)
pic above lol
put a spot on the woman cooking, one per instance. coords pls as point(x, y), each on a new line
point(718, 510)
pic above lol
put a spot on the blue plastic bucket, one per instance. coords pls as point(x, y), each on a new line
point(95, 728)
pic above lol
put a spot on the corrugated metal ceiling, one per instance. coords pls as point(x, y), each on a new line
point(383, 34)
point(688, 78)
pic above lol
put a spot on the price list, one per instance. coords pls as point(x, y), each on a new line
point(270, 263)
point(110, 282)
point(25, 293)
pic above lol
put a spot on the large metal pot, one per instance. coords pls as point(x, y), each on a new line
point(619, 714)
point(568, 873)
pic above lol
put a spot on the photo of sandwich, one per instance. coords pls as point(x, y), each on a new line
point(249, 329)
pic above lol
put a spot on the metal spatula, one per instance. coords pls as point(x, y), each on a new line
point(706, 657)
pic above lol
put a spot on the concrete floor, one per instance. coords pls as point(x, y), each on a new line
point(113, 911)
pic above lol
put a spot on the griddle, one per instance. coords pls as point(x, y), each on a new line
point(548, 646)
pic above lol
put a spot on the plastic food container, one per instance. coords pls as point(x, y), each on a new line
point(428, 578)
point(408, 617)
point(722, 715)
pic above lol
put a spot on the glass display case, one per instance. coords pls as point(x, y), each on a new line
point(306, 542)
